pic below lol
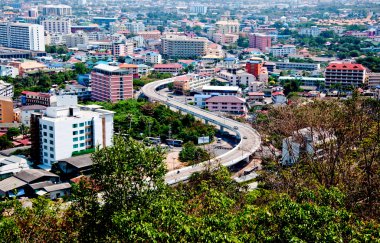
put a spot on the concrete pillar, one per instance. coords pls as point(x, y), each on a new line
point(206, 122)
point(221, 129)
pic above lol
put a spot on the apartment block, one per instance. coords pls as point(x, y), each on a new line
point(65, 131)
point(230, 104)
point(260, 41)
point(57, 26)
point(6, 109)
point(172, 68)
point(56, 10)
point(282, 50)
point(183, 46)
point(6, 89)
point(189, 82)
point(111, 83)
point(298, 66)
point(345, 74)
point(22, 36)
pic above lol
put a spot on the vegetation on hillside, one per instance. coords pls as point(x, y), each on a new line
point(142, 119)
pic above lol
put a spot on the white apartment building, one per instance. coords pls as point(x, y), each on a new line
point(65, 131)
point(239, 78)
point(183, 46)
point(56, 10)
point(22, 36)
point(10, 71)
point(135, 27)
point(78, 38)
point(198, 9)
point(10, 165)
point(228, 27)
point(152, 57)
point(57, 26)
point(283, 50)
point(6, 89)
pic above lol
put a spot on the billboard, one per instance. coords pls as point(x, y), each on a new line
point(203, 140)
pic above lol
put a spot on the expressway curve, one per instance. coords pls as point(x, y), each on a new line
point(249, 139)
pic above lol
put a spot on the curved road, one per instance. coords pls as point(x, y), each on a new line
point(249, 138)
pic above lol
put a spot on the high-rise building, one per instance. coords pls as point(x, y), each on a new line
point(345, 74)
point(111, 83)
point(198, 9)
point(228, 27)
point(183, 46)
point(260, 41)
point(75, 39)
point(135, 27)
point(57, 26)
point(6, 109)
point(22, 36)
point(56, 10)
point(61, 132)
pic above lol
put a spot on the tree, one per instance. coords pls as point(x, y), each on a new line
point(128, 173)
point(193, 154)
point(13, 132)
point(81, 68)
point(4, 142)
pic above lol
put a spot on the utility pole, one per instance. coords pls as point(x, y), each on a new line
point(149, 122)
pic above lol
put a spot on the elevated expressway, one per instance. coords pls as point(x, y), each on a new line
point(249, 139)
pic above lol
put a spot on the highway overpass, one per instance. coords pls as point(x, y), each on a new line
point(249, 139)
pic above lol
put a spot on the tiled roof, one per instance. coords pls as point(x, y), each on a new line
point(170, 65)
point(225, 99)
point(345, 66)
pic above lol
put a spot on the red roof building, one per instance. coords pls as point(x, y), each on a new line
point(345, 75)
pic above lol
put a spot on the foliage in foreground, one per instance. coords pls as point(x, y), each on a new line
point(136, 206)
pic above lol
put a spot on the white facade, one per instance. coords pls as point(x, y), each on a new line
point(135, 27)
point(65, 130)
point(11, 165)
point(56, 10)
point(282, 50)
point(22, 36)
point(78, 38)
point(198, 9)
point(8, 71)
point(57, 26)
point(6, 89)
point(152, 57)
point(240, 78)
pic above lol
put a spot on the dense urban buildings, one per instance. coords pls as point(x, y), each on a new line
point(260, 41)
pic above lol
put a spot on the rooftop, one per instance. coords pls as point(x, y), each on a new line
point(10, 184)
point(345, 66)
point(221, 88)
point(226, 99)
point(79, 161)
point(33, 174)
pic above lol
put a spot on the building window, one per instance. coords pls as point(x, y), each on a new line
point(51, 142)
point(44, 126)
point(75, 125)
point(82, 138)
point(75, 146)
point(50, 128)
point(45, 140)
point(75, 133)
point(52, 156)
point(81, 124)
point(75, 139)
point(51, 149)
point(81, 131)
point(82, 144)
point(51, 135)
